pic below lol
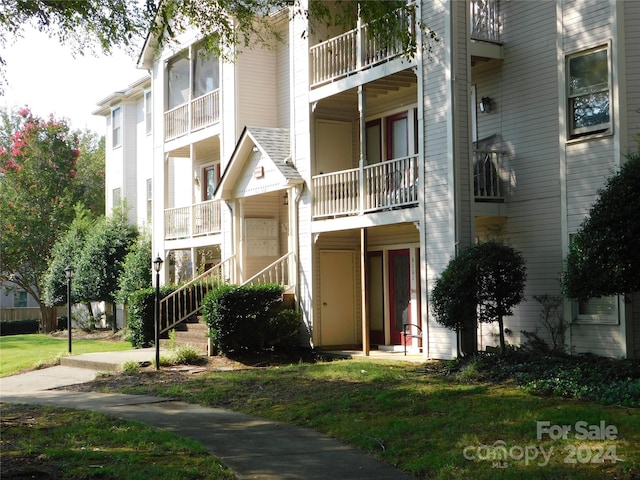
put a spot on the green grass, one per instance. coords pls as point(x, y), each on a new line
point(21, 352)
point(45, 442)
point(422, 422)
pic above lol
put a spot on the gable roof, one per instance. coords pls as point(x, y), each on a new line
point(257, 147)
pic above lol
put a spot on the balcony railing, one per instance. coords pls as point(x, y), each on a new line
point(195, 220)
point(487, 175)
point(353, 51)
point(485, 20)
point(385, 185)
point(200, 112)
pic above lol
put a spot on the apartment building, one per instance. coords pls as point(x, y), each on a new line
point(352, 174)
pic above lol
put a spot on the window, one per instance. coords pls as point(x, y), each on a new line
point(602, 310)
point(588, 92)
point(211, 178)
point(117, 196)
point(205, 72)
point(147, 111)
point(20, 299)
point(178, 81)
point(149, 199)
point(116, 127)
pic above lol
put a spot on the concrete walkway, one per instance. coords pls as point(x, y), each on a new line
point(252, 447)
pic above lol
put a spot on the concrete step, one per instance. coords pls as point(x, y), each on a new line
point(109, 361)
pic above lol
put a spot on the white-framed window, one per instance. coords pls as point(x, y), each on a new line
point(601, 310)
point(588, 92)
point(178, 80)
point(149, 199)
point(147, 111)
point(116, 127)
point(117, 197)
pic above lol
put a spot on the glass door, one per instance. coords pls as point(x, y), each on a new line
point(399, 292)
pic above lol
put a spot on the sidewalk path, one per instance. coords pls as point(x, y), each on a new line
point(252, 447)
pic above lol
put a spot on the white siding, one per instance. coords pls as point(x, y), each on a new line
point(256, 95)
point(632, 66)
point(438, 199)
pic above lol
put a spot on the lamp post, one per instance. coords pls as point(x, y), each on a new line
point(68, 272)
point(157, 265)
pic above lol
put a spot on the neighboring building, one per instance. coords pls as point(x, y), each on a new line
point(352, 174)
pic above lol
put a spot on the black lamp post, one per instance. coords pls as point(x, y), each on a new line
point(157, 265)
point(68, 272)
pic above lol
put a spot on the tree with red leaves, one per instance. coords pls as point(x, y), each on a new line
point(38, 192)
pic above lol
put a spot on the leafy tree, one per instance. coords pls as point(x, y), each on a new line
point(227, 25)
point(90, 176)
point(500, 278)
point(454, 301)
point(37, 196)
point(102, 259)
point(230, 25)
point(484, 282)
point(137, 270)
point(84, 25)
point(64, 253)
point(604, 257)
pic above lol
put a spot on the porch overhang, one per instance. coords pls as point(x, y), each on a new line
point(259, 164)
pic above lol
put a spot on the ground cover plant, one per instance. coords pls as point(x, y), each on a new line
point(46, 442)
point(429, 420)
point(20, 352)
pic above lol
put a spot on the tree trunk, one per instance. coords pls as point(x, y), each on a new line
point(48, 320)
point(501, 326)
point(115, 316)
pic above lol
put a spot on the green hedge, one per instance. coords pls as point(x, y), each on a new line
point(23, 327)
point(250, 318)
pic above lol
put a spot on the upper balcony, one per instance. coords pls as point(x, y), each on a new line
point(192, 116)
point(393, 184)
point(357, 51)
point(379, 187)
point(485, 29)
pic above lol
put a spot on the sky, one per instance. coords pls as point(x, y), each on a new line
point(43, 75)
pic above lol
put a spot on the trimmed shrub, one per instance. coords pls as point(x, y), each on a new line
point(140, 315)
point(19, 327)
point(248, 318)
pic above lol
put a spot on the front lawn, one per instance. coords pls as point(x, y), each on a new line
point(427, 423)
point(21, 352)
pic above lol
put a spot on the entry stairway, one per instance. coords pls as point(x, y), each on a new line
point(180, 311)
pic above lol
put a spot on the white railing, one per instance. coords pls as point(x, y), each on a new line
point(201, 112)
point(176, 122)
point(205, 110)
point(353, 51)
point(336, 193)
point(381, 186)
point(187, 300)
point(281, 272)
point(198, 219)
point(485, 20)
point(487, 169)
point(391, 184)
point(206, 218)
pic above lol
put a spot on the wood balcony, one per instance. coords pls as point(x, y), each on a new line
point(199, 113)
point(193, 221)
point(383, 186)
